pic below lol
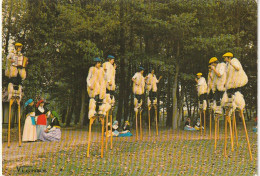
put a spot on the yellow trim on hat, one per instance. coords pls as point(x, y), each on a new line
point(213, 59)
point(199, 74)
point(228, 54)
point(18, 44)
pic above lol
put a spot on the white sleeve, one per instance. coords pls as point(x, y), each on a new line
point(135, 76)
point(90, 73)
point(156, 79)
point(202, 81)
point(108, 73)
point(221, 69)
point(235, 62)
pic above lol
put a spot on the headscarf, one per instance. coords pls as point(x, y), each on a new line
point(38, 103)
point(28, 102)
point(115, 122)
point(55, 114)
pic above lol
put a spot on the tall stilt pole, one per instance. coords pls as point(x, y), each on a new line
point(235, 128)
point(248, 143)
point(225, 145)
point(204, 122)
point(19, 122)
point(102, 136)
point(231, 135)
point(216, 128)
point(107, 129)
point(9, 120)
point(136, 124)
point(111, 136)
point(149, 120)
point(91, 120)
point(200, 124)
point(156, 120)
point(141, 130)
point(210, 124)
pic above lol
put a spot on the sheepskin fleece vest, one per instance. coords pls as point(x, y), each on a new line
point(221, 80)
point(235, 78)
point(202, 86)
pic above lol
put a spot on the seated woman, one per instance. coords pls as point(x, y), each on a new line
point(29, 130)
point(115, 128)
point(188, 126)
point(126, 130)
point(52, 132)
point(198, 126)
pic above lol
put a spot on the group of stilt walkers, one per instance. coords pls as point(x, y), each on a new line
point(223, 91)
point(101, 88)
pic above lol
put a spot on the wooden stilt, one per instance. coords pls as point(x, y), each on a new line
point(231, 135)
point(200, 123)
point(235, 128)
point(19, 122)
point(225, 145)
point(156, 120)
point(9, 120)
point(102, 137)
point(204, 113)
point(141, 130)
point(248, 143)
point(107, 129)
point(216, 128)
point(210, 116)
point(149, 120)
point(111, 136)
point(91, 120)
point(136, 124)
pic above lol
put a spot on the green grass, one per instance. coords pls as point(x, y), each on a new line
point(171, 153)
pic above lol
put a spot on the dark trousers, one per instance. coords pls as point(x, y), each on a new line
point(202, 97)
point(138, 97)
point(152, 95)
point(218, 96)
point(98, 102)
point(111, 93)
point(232, 91)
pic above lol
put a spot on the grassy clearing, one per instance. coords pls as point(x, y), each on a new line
point(171, 153)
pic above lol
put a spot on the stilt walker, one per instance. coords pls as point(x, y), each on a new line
point(219, 78)
point(151, 86)
point(210, 92)
point(138, 90)
point(110, 74)
point(202, 93)
point(236, 79)
point(96, 87)
point(15, 71)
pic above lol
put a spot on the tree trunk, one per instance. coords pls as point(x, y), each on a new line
point(122, 64)
point(169, 110)
point(174, 97)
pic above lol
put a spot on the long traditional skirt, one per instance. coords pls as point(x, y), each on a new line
point(54, 135)
point(40, 129)
point(29, 130)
